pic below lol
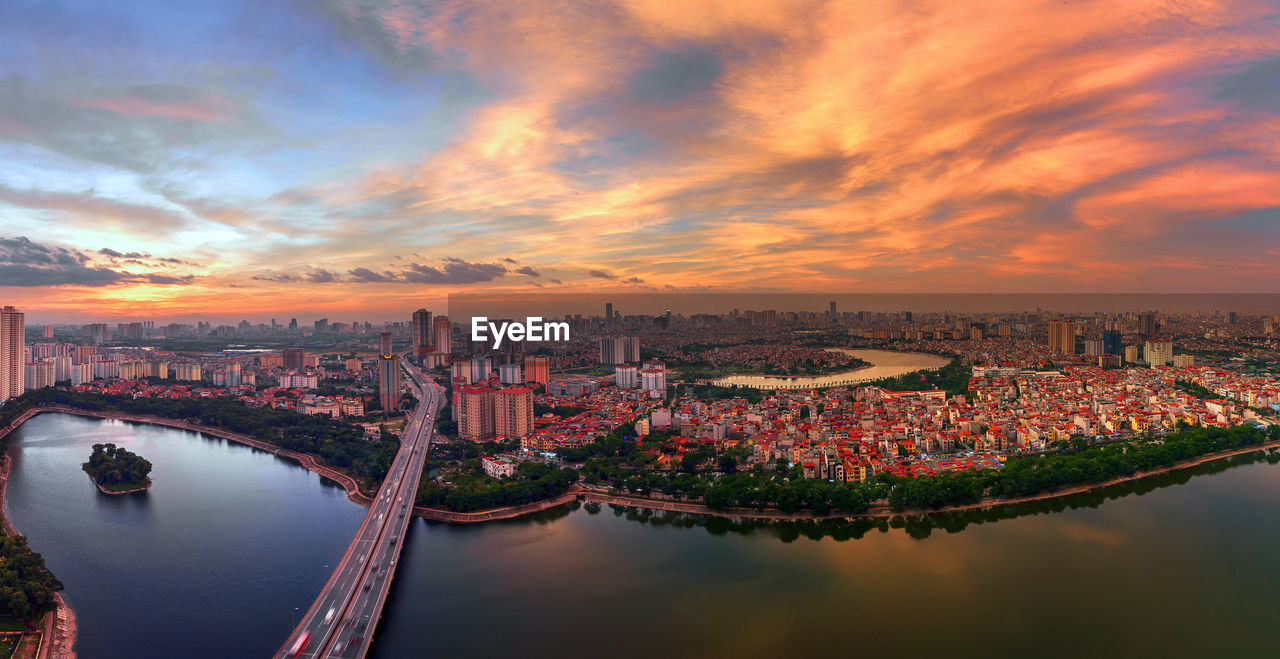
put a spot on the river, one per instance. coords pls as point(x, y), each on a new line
point(212, 560)
point(884, 364)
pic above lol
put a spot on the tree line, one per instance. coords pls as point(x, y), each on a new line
point(337, 443)
point(623, 465)
point(27, 587)
point(471, 491)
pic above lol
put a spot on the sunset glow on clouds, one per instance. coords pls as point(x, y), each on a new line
point(369, 155)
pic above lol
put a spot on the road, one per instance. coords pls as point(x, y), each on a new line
point(343, 618)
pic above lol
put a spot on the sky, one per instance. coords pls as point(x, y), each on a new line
point(362, 158)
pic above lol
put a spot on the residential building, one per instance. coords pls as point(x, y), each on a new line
point(537, 368)
point(513, 412)
point(12, 361)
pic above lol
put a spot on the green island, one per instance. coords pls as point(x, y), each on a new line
point(336, 443)
point(117, 470)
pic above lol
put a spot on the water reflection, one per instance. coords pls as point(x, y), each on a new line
point(917, 526)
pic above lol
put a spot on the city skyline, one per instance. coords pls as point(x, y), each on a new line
point(369, 159)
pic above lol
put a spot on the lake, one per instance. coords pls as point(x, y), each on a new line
point(213, 560)
point(884, 364)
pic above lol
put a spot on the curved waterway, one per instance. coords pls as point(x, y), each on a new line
point(884, 364)
point(211, 561)
point(1182, 565)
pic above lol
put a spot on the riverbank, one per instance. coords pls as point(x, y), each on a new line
point(883, 511)
point(879, 511)
point(58, 639)
point(882, 364)
point(653, 503)
point(104, 490)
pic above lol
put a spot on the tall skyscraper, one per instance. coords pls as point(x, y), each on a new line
point(1111, 342)
point(442, 340)
point(1062, 336)
point(1147, 325)
point(611, 351)
point(12, 362)
point(422, 332)
point(832, 313)
point(388, 375)
point(608, 312)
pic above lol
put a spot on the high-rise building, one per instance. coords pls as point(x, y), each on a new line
point(188, 372)
point(1158, 353)
point(481, 367)
point(832, 312)
point(624, 375)
point(321, 326)
point(460, 371)
point(38, 375)
point(510, 374)
point(1062, 337)
point(12, 362)
point(513, 412)
point(653, 379)
point(473, 410)
point(1093, 347)
point(83, 354)
point(48, 330)
point(1147, 323)
point(422, 332)
point(388, 375)
point(608, 313)
point(619, 350)
point(442, 339)
point(537, 368)
point(295, 359)
point(1111, 342)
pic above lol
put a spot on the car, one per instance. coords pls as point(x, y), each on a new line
point(354, 640)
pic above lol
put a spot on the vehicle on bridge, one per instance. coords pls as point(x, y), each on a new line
point(300, 644)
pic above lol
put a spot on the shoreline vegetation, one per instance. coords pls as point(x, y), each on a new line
point(57, 623)
point(1070, 470)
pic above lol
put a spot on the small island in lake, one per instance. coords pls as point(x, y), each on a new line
point(116, 470)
